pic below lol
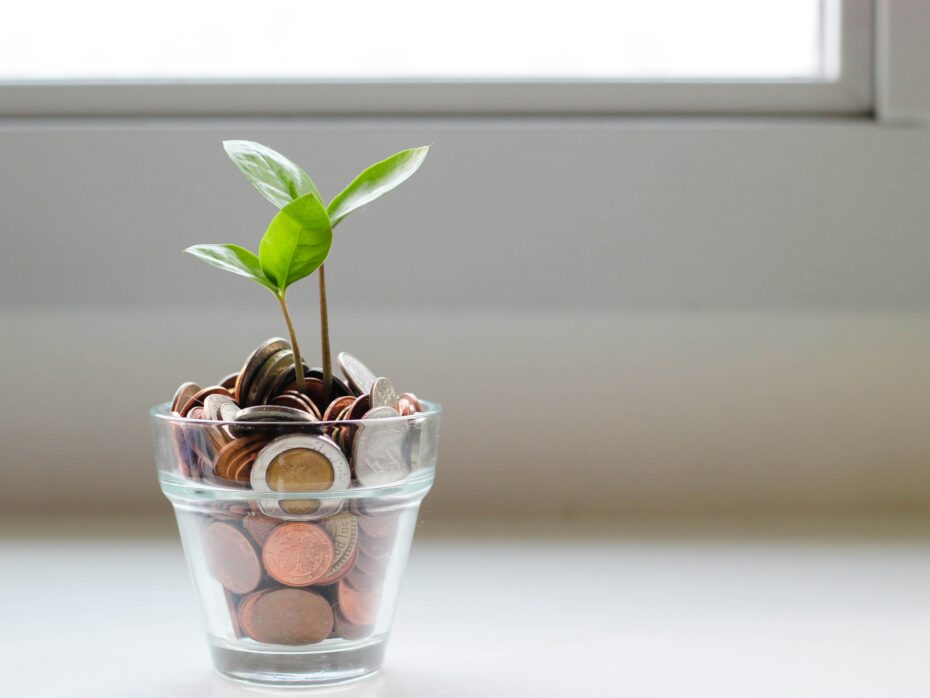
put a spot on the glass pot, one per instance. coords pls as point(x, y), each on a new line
point(296, 536)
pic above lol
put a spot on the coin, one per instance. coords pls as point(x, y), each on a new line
point(306, 403)
point(231, 606)
point(196, 400)
point(220, 407)
point(288, 379)
point(383, 394)
point(340, 388)
point(375, 547)
point(336, 406)
point(268, 375)
point(343, 529)
point(245, 609)
point(252, 364)
point(231, 558)
point(349, 631)
point(259, 527)
point(291, 401)
point(249, 419)
point(359, 607)
point(405, 407)
point(371, 565)
point(410, 397)
point(358, 374)
point(298, 554)
point(229, 453)
point(184, 393)
point(301, 463)
point(289, 617)
point(361, 405)
point(378, 449)
point(229, 382)
point(379, 524)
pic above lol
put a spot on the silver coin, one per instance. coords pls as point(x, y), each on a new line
point(360, 377)
point(256, 360)
point(383, 394)
point(342, 475)
point(248, 417)
point(270, 372)
point(272, 413)
point(216, 405)
point(378, 449)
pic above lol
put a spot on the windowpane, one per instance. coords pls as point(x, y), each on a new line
point(483, 39)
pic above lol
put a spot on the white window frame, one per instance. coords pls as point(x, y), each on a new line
point(850, 93)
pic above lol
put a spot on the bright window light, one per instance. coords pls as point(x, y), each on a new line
point(56, 40)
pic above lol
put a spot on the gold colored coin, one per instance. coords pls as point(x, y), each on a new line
point(300, 470)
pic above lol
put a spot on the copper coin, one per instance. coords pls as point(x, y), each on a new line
point(232, 604)
point(289, 617)
point(245, 610)
point(379, 524)
point(229, 382)
point(363, 581)
point(359, 607)
point(347, 630)
point(336, 407)
point(405, 407)
point(230, 451)
point(340, 387)
point(231, 558)
point(184, 393)
point(410, 397)
point(306, 403)
point(361, 405)
point(240, 469)
point(196, 400)
point(289, 401)
point(375, 547)
point(298, 554)
point(259, 527)
point(343, 530)
point(370, 565)
point(252, 364)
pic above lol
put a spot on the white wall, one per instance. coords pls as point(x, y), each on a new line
point(672, 316)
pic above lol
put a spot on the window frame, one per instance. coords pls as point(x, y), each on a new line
point(850, 93)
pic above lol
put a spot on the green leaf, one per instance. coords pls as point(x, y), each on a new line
point(278, 179)
point(377, 180)
point(296, 242)
point(232, 258)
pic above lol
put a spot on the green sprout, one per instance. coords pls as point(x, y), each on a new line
point(299, 237)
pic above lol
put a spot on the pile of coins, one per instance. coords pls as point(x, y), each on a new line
point(313, 459)
point(299, 583)
point(298, 571)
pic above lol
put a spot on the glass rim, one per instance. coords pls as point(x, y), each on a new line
point(162, 412)
point(178, 488)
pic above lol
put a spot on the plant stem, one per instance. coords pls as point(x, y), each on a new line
point(298, 361)
point(324, 338)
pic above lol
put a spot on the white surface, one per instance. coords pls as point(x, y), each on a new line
point(621, 615)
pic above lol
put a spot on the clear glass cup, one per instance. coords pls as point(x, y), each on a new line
point(297, 579)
